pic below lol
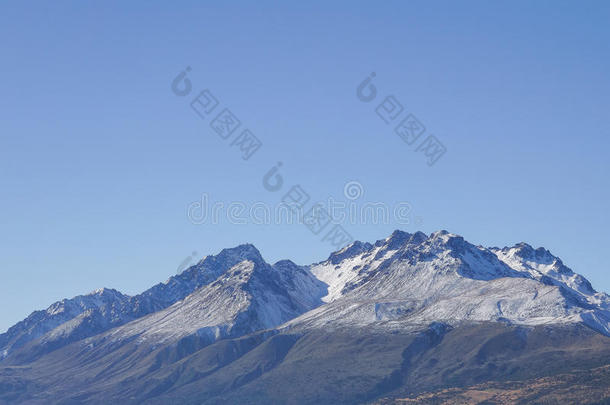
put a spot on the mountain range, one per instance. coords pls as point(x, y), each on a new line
point(405, 316)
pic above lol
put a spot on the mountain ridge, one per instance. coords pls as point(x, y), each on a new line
point(103, 309)
point(406, 314)
point(120, 310)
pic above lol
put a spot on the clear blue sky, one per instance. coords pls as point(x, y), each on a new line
point(99, 159)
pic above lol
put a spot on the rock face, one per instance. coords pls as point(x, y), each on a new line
point(222, 329)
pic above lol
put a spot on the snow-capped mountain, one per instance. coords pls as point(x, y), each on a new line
point(410, 310)
point(88, 315)
point(409, 280)
point(249, 296)
point(541, 265)
point(68, 314)
point(403, 281)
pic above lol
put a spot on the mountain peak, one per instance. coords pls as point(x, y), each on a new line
point(245, 248)
point(397, 239)
point(526, 252)
point(285, 263)
point(397, 233)
point(443, 235)
point(106, 292)
point(245, 251)
point(354, 249)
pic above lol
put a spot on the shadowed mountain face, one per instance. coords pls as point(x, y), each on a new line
point(404, 315)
